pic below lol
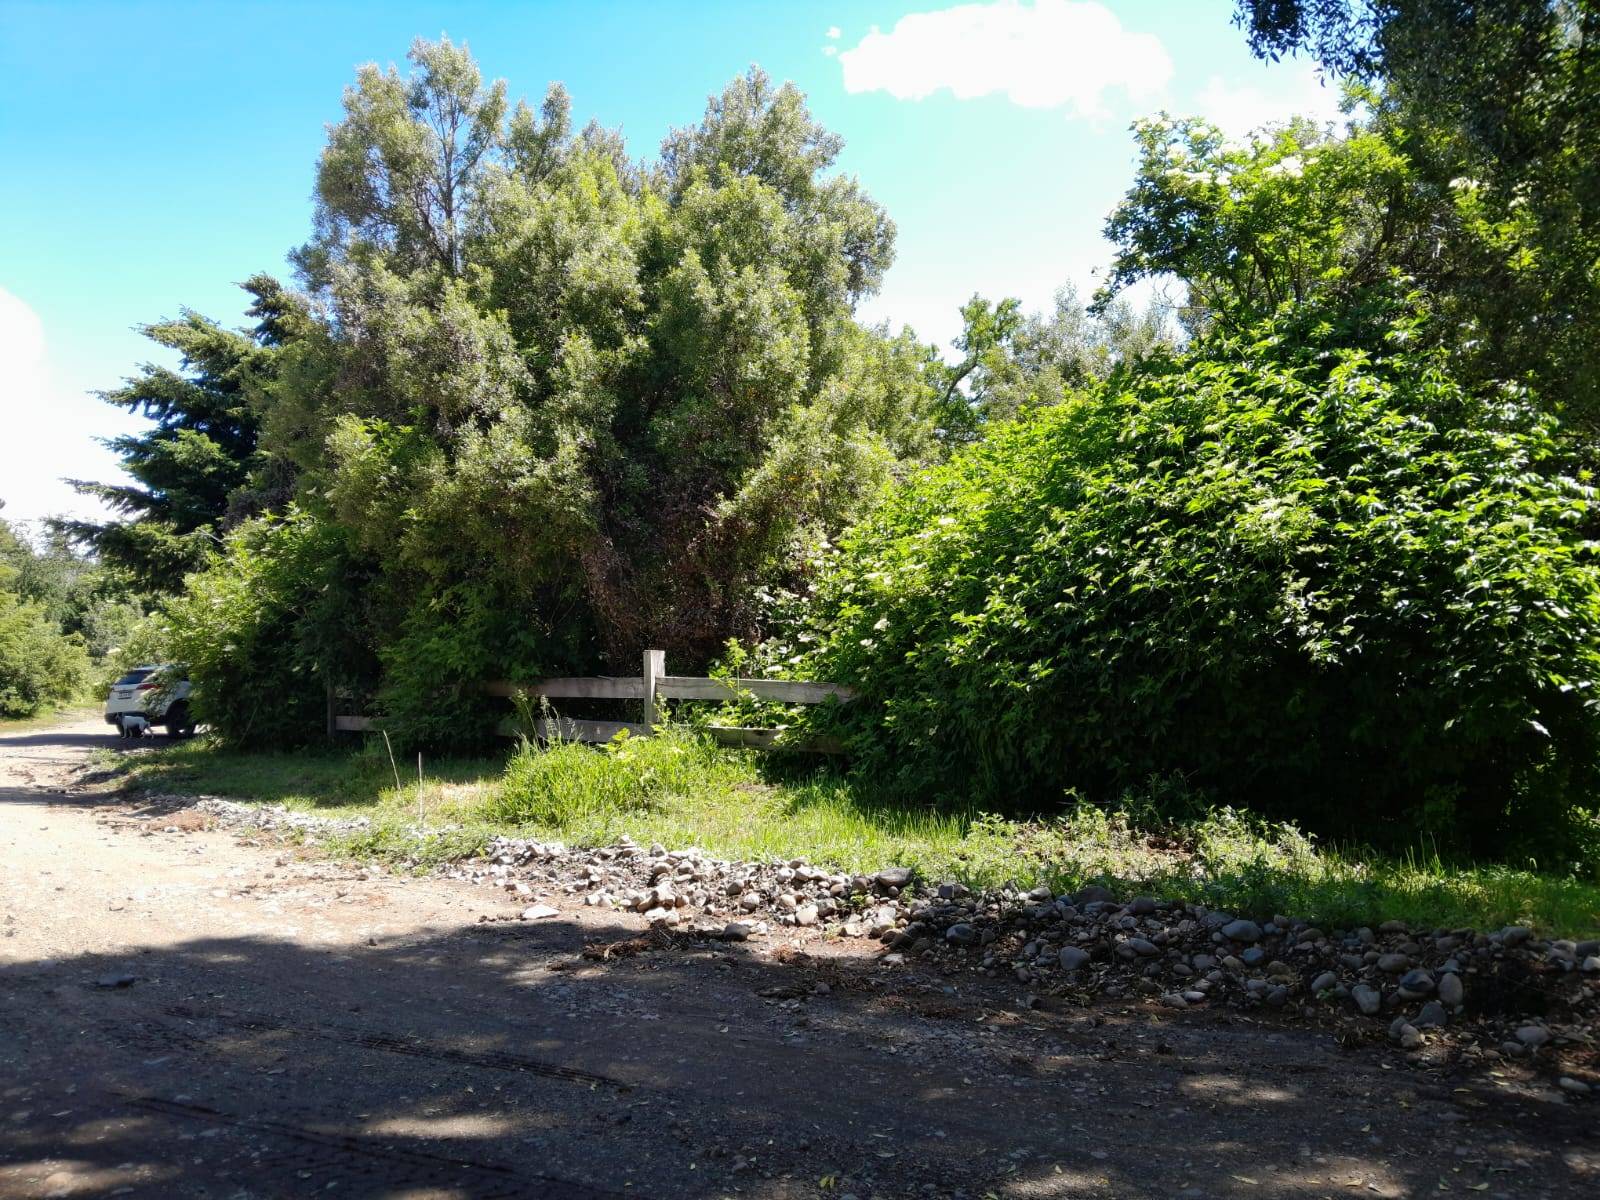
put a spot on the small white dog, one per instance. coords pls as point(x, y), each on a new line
point(132, 725)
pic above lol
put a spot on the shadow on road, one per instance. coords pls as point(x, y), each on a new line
point(578, 1057)
point(504, 1060)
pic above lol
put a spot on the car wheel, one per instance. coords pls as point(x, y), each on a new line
point(178, 721)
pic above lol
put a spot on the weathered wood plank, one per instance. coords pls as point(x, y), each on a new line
point(767, 739)
point(353, 724)
point(784, 691)
point(582, 687)
point(569, 730)
point(655, 667)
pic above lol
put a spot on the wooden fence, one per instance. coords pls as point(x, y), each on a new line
point(650, 688)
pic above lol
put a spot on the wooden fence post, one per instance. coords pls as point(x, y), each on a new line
point(655, 666)
point(333, 711)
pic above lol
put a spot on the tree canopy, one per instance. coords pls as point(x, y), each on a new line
point(1498, 102)
point(561, 404)
point(195, 468)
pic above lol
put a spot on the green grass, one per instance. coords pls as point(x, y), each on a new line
point(680, 791)
point(337, 782)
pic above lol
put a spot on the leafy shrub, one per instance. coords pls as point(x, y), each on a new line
point(39, 666)
point(267, 627)
point(447, 645)
point(1304, 569)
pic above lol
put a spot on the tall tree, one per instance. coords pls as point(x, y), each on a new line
point(1501, 97)
point(1288, 214)
point(560, 405)
point(1012, 362)
point(401, 172)
point(200, 456)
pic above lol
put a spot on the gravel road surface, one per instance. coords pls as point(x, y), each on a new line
point(184, 1013)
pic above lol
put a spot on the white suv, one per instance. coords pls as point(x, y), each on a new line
point(145, 696)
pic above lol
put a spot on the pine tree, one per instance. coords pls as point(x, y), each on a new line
point(193, 471)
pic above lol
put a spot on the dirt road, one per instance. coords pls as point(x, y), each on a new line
point(185, 1015)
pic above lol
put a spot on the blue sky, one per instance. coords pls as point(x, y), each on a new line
point(156, 153)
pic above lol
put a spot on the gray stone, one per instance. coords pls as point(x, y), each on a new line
point(1368, 999)
point(961, 934)
point(1242, 931)
point(806, 914)
point(539, 911)
point(1410, 1038)
point(1432, 1016)
point(1451, 990)
point(1418, 982)
point(1393, 963)
point(1073, 957)
point(1576, 1086)
point(736, 931)
point(1325, 982)
point(1253, 956)
point(1139, 947)
point(1591, 964)
point(1515, 935)
point(1141, 906)
point(1091, 894)
point(895, 877)
point(1533, 1036)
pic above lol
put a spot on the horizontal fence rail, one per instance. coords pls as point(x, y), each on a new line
point(652, 687)
point(673, 687)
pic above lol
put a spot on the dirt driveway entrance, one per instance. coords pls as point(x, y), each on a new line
point(185, 1015)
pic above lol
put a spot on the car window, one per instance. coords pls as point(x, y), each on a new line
point(131, 678)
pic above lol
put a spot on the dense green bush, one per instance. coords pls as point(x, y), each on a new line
point(39, 666)
point(267, 627)
point(1323, 580)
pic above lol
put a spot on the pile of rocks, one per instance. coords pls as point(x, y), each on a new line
point(1506, 991)
point(270, 818)
point(689, 889)
point(1516, 992)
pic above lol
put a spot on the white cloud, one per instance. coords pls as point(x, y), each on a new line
point(21, 349)
point(1049, 54)
point(43, 430)
point(1296, 90)
point(834, 33)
